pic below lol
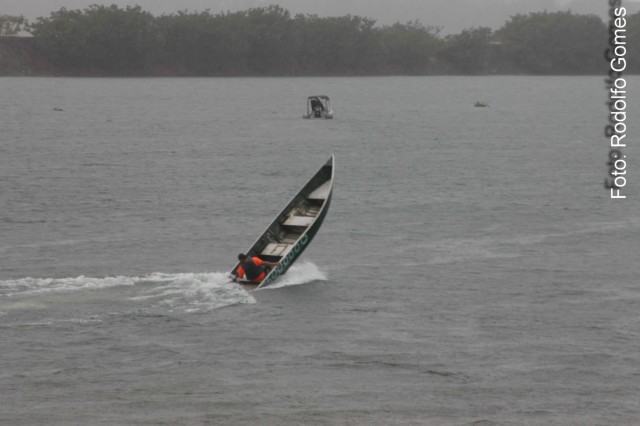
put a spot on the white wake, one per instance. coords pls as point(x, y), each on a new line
point(183, 292)
point(300, 273)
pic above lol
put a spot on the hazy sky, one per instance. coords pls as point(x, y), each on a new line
point(452, 15)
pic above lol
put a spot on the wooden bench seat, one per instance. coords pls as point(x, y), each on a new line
point(299, 221)
point(275, 249)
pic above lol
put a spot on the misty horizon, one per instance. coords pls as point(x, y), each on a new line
point(451, 16)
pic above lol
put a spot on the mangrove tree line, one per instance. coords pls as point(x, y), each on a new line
point(109, 40)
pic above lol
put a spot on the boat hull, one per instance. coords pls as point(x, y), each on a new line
point(323, 114)
point(295, 227)
point(296, 250)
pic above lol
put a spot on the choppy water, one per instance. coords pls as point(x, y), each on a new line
point(471, 270)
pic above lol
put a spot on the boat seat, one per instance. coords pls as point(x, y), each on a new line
point(322, 192)
point(312, 211)
point(288, 238)
point(298, 221)
point(275, 249)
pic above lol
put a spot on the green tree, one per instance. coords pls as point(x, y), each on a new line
point(470, 52)
point(409, 48)
point(186, 42)
point(553, 43)
point(61, 37)
point(256, 41)
point(108, 40)
point(100, 39)
point(268, 40)
point(334, 45)
point(12, 25)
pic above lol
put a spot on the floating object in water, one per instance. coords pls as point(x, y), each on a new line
point(294, 228)
point(318, 107)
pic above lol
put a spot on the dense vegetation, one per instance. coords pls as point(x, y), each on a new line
point(11, 25)
point(108, 40)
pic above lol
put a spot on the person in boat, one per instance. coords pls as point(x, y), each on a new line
point(316, 104)
point(254, 269)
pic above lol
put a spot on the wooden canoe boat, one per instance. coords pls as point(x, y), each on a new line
point(293, 229)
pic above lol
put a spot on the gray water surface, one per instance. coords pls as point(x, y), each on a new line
point(472, 268)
